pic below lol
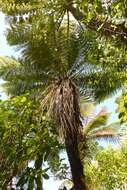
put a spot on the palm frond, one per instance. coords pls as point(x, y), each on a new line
point(19, 87)
point(87, 43)
point(101, 83)
point(8, 67)
point(96, 127)
point(43, 45)
point(96, 123)
point(106, 136)
point(21, 77)
point(107, 132)
point(11, 69)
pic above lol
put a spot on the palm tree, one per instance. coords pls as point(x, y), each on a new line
point(54, 66)
point(95, 128)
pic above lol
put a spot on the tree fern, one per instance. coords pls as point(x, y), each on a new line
point(56, 60)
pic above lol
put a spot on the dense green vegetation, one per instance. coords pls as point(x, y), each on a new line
point(107, 171)
point(26, 137)
point(71, 51)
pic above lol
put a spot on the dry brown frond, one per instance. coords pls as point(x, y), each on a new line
point(62, 104)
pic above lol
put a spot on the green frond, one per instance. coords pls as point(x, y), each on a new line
point(111, 131)
point(44, 47)
point(106, 136)
point(96, 123)
point(101, 83)
point(95, 126)
point(20, 78)
point(115, 126)
point(19, 87)
point(8, 68)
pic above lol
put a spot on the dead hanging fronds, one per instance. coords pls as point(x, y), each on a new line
point(62, 103)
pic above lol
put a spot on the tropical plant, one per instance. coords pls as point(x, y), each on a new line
point(61, 97)
point(54, 64)
point(95, 129)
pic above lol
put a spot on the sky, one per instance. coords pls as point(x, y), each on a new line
point(6, 50)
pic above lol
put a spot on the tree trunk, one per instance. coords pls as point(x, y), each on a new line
point(75, 163)
point(38, 166)
point(39, 182)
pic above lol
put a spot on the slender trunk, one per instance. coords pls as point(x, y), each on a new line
point(75, 163)
point(38, 166)
point(39, 182)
